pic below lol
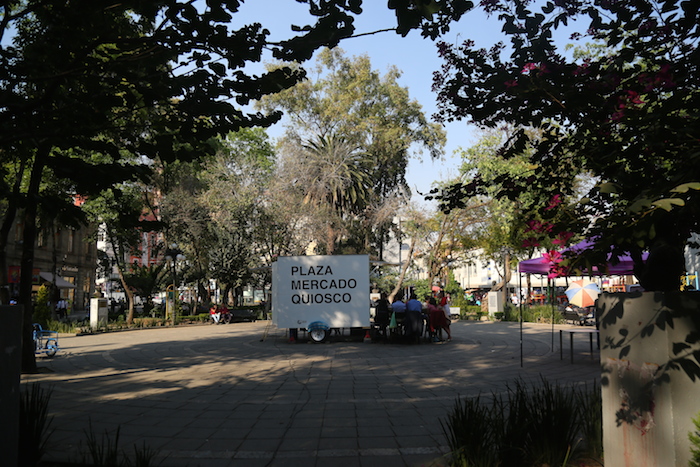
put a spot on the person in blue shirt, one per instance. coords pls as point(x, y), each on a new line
point(413, 323)
point(414, 304)
point(398, 306)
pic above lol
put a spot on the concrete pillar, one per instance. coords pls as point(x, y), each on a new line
point(98, 312)
point(10, 369)
point(648, 405)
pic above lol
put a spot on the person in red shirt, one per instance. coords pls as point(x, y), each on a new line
point(214, 314)
point(438, 320)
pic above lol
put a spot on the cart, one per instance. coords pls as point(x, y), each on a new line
point(45, 341)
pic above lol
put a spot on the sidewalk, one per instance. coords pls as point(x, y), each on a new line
point(242, 395)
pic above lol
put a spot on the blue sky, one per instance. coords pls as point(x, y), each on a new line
point(414, 56)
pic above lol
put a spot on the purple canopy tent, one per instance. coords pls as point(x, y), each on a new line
point(623, 267)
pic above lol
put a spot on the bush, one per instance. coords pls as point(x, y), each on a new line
point(42, 312)
point(470, 311)
point(64, 327)
point(590, 406)
point(533, 314)
point(695, 443)
point(532, 425)
point(34, 424)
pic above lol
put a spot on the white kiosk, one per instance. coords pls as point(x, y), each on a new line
point(318, 293)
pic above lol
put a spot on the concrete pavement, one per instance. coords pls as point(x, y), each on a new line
point(242, 395)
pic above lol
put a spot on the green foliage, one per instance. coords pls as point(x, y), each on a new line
point(453, 287)
point(42, 308)
point(102, 451)
point(349, 136)
point(530, 425)
point(99, 96)
point(421, 288)
point(534, 314)
point(694, 438)
point(457, 299)
point(64, 327)
point(34, 424)
point(625, 116)
point(385, 281)
point(470, 312)
point(147, 280)
point(590, 407)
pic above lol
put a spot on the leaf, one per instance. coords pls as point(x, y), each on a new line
point(639, 206)
point(625, 350)
point(693, 337)
point(667, 203)
point(608, 187)
point(624, 332)
point(685, 187)
point(679, 347)
point(218, 68)
point(648, 330)
point(661, 320)
point(690, 367)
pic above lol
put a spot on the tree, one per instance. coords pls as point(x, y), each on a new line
point(119, 212)
point(151, 79)
point(145, 281)
point(447, 239)
point(511, 226)
point(352, 112)
point(628, 117)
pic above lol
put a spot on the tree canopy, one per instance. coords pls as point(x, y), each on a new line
point(350, 132)
point(628, 116)
point(91, 91)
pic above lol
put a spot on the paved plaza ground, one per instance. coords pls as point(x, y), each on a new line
point(242, 395)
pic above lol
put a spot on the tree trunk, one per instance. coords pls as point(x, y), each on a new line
point(27, 262)
point(10, 214)
point(399, 282)
point(129, 294)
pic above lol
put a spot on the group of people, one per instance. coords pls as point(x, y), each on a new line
point(218, 313)
point(412, 315)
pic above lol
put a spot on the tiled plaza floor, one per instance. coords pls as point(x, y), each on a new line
point(242, 395)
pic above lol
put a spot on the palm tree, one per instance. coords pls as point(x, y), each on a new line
point(334, 174)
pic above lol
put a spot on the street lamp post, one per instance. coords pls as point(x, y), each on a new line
point(172, 255)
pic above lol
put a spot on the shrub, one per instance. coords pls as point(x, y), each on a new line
point(64, 327)
point(470, 310)
point(695, 443)
point(42, 311)
point(538, 424)
point(105, 451)
point(590, 406)
point(470, 433)
point(34, 424)
point(534, 314)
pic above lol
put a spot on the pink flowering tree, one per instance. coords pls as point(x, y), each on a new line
point(626, 116)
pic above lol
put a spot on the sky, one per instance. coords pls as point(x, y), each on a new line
point(416, 57)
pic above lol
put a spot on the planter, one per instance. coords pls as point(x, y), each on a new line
point(650, 379)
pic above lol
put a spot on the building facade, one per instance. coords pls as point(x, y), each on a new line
point(64, 259)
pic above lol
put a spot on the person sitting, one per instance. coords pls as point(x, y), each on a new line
point(223, 314)
point(414, 318)
point(214, 314)
point(398, 306)
point(381, 314)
